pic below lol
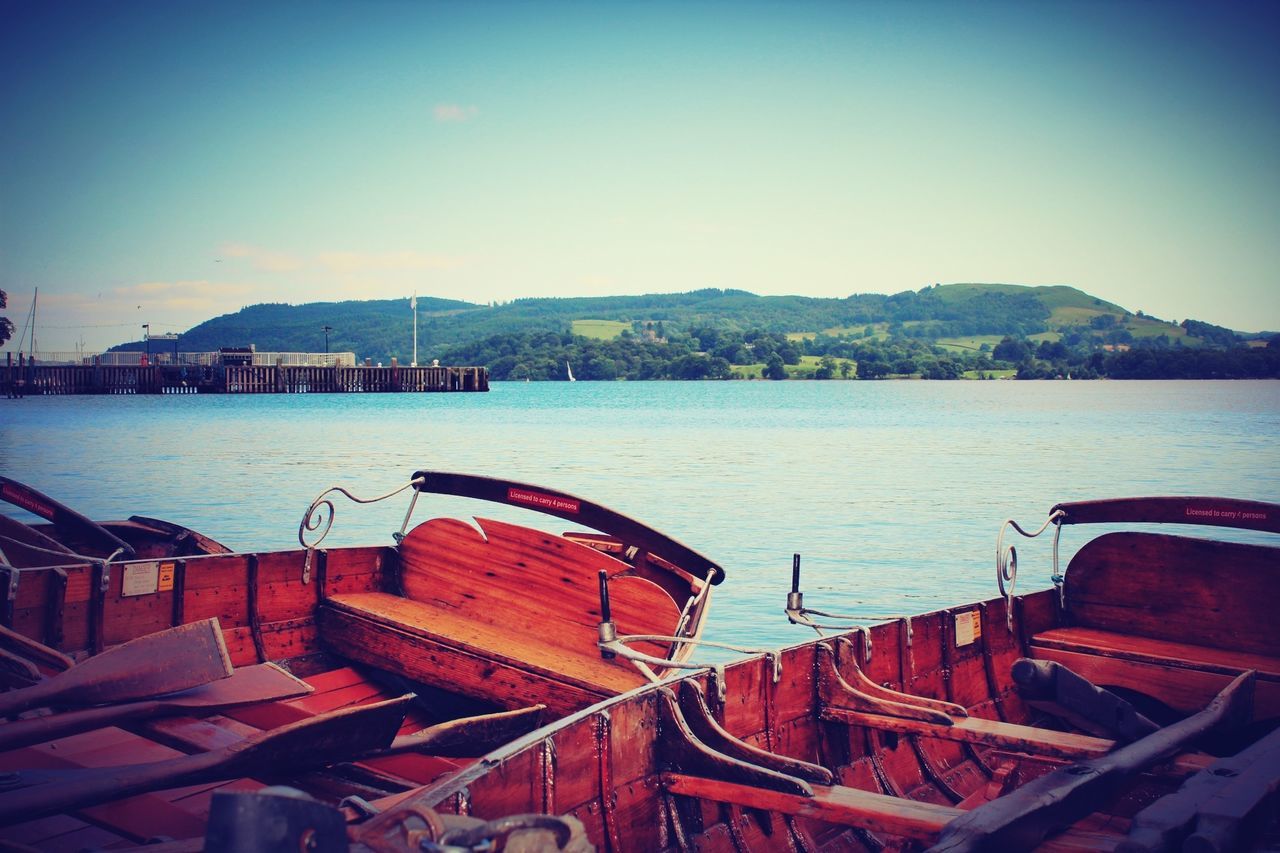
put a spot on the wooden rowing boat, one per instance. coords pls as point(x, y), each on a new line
point(64, 535)
point(1132, 708)
point(147, 694)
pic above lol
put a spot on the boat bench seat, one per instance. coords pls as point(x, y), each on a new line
point(503, 613)
point(1173, 617)
point(1185, 676)
point(1162, 652)
point(538, 653)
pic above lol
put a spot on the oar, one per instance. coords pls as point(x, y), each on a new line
point(286, 751)
point(34, 650)
point(17, 671)
point(177, 659)
point(468, 737)
point(67, 521)
point(1022, 819)
point(264, 682)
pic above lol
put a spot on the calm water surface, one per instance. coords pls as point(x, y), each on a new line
point(892, 491)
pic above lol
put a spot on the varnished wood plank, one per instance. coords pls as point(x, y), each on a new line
point(262, 683)
point(979, 731)
point(575, 660)
point(312, 743)
point(1216, 512)
point(1185, 690)
point(527, 581)
point(507, 682)
point(837, 804)
point(1175, 588)
point(137, 818)
point(334, 679)
point(138, 669)
point(1165, 652)
point(1023, 818)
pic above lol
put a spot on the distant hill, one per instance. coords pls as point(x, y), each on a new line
point(382, 329)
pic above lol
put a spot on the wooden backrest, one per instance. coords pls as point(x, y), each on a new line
point(527, 581)
point(1218, 594)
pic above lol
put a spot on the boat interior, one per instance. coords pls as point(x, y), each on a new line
point(137, 690)
point(1133, 706)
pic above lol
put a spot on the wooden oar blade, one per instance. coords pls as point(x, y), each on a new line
point(320, 740)
point(264, 682)
point(166, 662)
point(469, 737)
point(305, 745)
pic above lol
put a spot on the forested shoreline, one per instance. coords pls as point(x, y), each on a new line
point(712, 354)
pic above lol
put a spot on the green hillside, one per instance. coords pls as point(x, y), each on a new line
point(963, 317)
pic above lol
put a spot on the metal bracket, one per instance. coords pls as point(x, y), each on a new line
point(613, 646)
point(9, 580)
point(864, 695)
point(273, 819)
point(693, 704)
point(683, 752)
point(798, 614)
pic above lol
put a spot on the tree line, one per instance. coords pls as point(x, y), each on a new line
point(711, 352)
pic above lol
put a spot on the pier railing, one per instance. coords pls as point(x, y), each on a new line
point(21, 378)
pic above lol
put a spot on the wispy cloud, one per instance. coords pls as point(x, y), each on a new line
point(183, 295)
point(354, 262)
point(454, 112)
point(261, 259)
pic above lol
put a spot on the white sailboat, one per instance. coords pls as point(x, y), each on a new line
point(569, 368)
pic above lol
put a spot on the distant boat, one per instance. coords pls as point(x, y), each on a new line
point(569, 368)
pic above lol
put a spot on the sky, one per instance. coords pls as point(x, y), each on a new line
point(164, 163)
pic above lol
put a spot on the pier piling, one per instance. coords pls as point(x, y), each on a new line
point(25, 378)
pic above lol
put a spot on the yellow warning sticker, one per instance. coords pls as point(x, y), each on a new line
point(968, 627)
point(166, 577)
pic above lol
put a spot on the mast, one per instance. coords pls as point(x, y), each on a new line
point(413, 303)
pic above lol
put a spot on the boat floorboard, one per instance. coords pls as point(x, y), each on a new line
point(181, 812)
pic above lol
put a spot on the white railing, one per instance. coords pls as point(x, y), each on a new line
point(158, 356)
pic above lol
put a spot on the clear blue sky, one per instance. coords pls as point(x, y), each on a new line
point(168, 162)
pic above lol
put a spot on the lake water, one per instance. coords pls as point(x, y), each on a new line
point(892, 491)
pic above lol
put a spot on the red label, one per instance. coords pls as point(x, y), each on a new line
point(26, 501)
point(539, 500)
point(1225, 514)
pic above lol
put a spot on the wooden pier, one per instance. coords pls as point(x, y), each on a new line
point(21, 378)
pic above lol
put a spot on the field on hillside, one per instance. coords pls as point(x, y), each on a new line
point(1074, 315)
point(1142, 327)
point(804, 370)
point(601, 330)
point(971, 342)
point(878, 330)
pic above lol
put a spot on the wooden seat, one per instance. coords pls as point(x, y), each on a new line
point(502, 613)
point(1179, 655)
point(1173, 617)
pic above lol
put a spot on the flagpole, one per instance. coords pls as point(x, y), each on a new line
point(413, 303)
